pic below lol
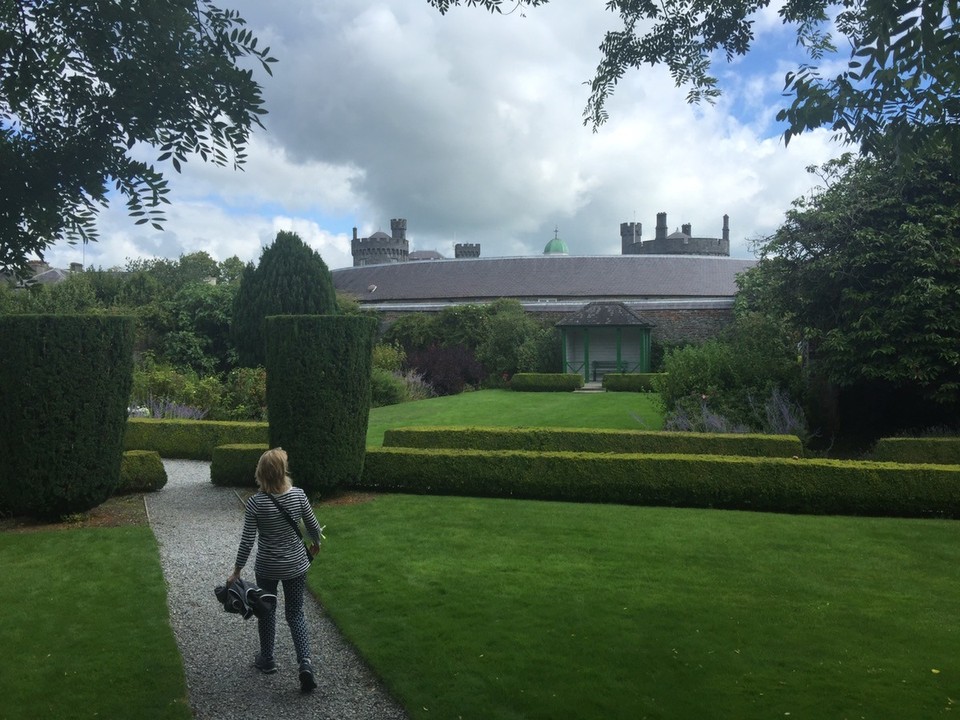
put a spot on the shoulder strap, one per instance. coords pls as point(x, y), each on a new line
point(285, 514)
point(289, 519)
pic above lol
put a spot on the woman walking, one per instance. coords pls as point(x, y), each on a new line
point(275, 513)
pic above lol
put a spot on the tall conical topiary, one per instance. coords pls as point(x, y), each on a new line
point(291, 279)
point(318, 396)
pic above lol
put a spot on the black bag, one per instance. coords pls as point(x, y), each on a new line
point(293, 525)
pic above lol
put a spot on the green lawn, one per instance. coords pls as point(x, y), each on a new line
point(628, 411)
point(85, 631)
point(496, 609)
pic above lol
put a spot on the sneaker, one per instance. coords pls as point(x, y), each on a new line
point(307, 679)
point(265, 665)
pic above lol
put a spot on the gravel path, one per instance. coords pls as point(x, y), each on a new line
point(198, 528)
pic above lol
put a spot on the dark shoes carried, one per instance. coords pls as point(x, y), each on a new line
point(308, 680)
point(265, 665)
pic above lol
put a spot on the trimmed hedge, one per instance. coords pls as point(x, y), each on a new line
point(64, 385)
point(141, 471)
point(630, 382)
point(190, 439)
point(318, 395)
point(599, 441)
point(236, 465)
point(936, 450)
point(546, 382)
point(823, 487)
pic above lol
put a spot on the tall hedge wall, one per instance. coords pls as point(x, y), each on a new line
point(64, 385)
point(318, 395)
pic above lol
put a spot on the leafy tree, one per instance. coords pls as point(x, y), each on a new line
point(900, 60)
point(291, 279)
point(82, 84)
point(867, 270)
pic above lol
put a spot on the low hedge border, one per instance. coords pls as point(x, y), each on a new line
point(936, 450)
point(823, 487)
point(236, 465)
point(546, 382)
point(190, 439)
point(629, 382)
point(141, 471)
point(589, 440)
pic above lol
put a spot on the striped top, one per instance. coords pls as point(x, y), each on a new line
point(281, 554)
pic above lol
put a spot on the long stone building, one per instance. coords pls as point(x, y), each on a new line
point(682, 286)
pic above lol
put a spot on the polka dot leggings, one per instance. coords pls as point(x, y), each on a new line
point(293, 589)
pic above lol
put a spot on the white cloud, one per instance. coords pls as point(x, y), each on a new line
point(469, 126)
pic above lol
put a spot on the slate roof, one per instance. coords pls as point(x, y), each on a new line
point(614, 277)
point(607, 314)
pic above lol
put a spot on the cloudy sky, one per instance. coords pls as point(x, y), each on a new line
point(470, 127)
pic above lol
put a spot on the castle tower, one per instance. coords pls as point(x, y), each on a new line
point(466, 250)
point(380, 248)
point(398, 229)
point(630, 235)
point(661, 226)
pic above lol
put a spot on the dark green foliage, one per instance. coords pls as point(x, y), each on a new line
point(629, 382)
point(82, 84)
point(291, 279)
point(936, 450)
point(236, 465)
point(190, 439)
point(605, 441)
point(447, 369)
point(65, 381)
point(141, 471)
point(824, 487)
point(865, 271)
point(546, 382)
point(318, 395)
point(386, 388)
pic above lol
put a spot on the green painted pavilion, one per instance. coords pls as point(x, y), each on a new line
point(605, 337)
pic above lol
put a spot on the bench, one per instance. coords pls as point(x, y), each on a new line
point(605, 366)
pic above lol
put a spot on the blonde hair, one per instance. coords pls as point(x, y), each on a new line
point(272, 471)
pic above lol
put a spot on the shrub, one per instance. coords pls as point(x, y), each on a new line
point(761, 484)
point(236, 465)
point(190, 439)
point(629, 382)
point(386, 388)
point(244, 395)
point(546, 382)
point(448, 370)
point(318, 395)
point(141, 471)
point(390, 357)
point(65, 382)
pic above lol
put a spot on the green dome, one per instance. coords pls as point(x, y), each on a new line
point(556, 246)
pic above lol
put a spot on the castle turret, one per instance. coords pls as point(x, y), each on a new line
point(726, 230)
point(661, 226)
point(398, 229)
point(685, 229)
point(630, 235)
point(466, 250)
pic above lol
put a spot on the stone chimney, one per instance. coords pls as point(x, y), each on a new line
point(76, 267)
point(726, 229)
point(661, 226)
point(630, 235)
point(685, 229)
